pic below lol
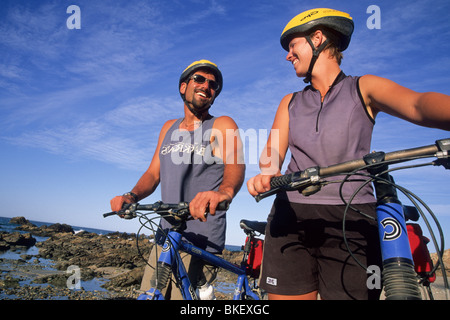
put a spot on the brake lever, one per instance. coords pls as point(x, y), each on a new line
point(128, 211)
point(266, 194)
point(443, 159)
point(178, 214)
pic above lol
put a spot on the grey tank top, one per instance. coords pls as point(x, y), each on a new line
point(323, 134)
point(188, 166)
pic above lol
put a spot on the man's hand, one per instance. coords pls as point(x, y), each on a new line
point(117, 202)
point(206, 202)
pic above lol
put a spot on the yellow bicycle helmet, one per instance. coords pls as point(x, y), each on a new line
point(202, 64)
point(186, 74)
point(337, 26)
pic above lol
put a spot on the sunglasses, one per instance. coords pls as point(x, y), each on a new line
point(201, 79)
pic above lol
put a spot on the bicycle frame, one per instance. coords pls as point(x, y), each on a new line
point(170, 258)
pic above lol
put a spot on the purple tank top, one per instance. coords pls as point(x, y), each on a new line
point(188, 166)
point(323, 134)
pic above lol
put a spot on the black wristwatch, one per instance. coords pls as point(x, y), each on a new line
point(134, 195)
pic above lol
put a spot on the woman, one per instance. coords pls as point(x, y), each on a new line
point(329, 121)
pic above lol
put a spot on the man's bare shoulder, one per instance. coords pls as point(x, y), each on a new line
point(168, 124)
point(225, 122)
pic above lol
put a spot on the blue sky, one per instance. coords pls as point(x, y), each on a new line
point(81, 109)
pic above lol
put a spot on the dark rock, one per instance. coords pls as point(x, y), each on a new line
point(9, 282)
point(17, 239)
point(58, 227)
point(46, 231)
point(233, 256)
point(132, 278)
point(4, 246)
point(20, 221)
point(57, 280)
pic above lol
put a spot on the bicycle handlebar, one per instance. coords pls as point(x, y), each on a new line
point(179, 211)
point(300, 180)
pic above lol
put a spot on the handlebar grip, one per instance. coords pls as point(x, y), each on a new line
point(279, 181)
point(109, 214)
point(222, 206)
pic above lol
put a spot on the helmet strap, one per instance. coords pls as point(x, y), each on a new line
point(197, 113)
point(316, 52)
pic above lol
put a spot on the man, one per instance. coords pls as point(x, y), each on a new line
point(198, 159)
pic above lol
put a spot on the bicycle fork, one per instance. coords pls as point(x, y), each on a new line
point(399, 276)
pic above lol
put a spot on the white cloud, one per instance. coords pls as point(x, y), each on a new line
point(125, 136)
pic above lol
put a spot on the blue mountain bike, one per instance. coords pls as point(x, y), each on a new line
point(169, 262)
point(404, 268)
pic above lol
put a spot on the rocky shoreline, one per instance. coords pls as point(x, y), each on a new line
point(111, 262)
point(111, 267)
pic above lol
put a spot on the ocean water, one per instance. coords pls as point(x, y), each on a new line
point(6, 226)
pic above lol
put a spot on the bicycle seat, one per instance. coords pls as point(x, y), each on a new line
point(257, 226)
point(411, 213)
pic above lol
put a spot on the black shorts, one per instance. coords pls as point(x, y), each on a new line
point(304, 251)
